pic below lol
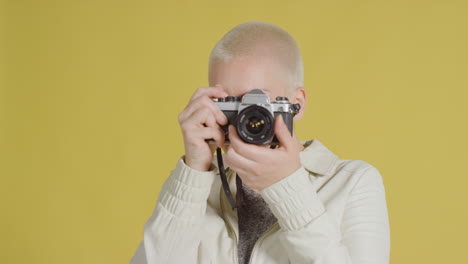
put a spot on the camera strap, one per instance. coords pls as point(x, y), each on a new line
point(224, 181)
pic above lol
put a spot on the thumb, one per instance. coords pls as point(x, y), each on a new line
point(282, 132)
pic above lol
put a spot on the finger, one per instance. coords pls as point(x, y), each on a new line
point(218, 136)
point(212, 92)
point(191, 107)
point(237, 162)
point(202, 116)
point(282, 132)
point(210, 121)
point(203, 102)
point(220, 116)
point(207, 133)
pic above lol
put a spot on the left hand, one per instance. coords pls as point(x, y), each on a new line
point(260, 167)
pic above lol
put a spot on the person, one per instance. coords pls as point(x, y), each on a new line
point(297, 203)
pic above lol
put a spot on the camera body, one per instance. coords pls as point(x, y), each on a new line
point(254, 116)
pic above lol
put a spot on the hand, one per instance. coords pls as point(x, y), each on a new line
point(200, 121)
point(260, 167)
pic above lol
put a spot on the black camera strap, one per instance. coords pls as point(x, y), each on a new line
point(224, 181)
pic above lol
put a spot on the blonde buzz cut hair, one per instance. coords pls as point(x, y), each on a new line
point(261, 39)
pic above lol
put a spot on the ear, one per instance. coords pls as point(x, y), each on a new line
point(299, 97)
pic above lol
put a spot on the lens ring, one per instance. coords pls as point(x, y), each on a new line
point(255, 125)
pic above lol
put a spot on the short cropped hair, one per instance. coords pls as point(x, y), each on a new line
point(261, 39)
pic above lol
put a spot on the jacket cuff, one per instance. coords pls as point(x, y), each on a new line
point(186, 191)
point(293, 200)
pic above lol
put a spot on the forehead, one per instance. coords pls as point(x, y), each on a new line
point(241, 75)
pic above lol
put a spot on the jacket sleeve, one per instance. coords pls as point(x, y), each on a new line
point(172, 233)
point(310, 235)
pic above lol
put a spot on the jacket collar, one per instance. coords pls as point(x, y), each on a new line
point(317, 158)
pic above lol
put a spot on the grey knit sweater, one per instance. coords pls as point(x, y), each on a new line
point(255, 217)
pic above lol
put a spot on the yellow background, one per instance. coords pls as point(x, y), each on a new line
point(91, 90)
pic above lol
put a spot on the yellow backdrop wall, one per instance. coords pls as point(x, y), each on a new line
point(91, 90)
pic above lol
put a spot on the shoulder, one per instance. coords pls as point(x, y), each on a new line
point(358, 174)
point(328, 170)
point(355, 167)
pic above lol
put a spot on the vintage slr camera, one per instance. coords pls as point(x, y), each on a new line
point(253, 116)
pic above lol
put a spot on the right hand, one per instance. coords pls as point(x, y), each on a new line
point(199, 121)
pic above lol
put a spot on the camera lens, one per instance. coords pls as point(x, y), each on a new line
point(255, 125)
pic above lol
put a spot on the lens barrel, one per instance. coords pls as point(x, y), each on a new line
point(255, 125)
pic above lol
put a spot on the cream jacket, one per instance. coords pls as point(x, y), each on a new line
point(330, 211)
